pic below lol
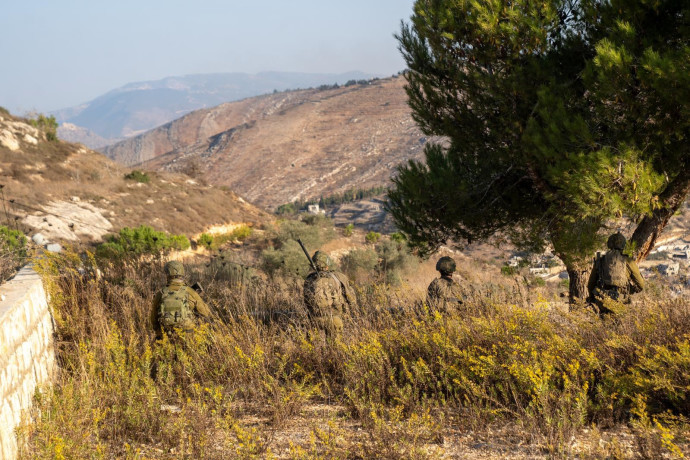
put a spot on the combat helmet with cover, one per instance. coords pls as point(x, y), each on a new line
point(446, 265)
point(616, 241)
point(174, 269)
point(321, 260)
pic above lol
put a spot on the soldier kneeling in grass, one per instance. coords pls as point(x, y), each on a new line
point(177, 306)
point(327, 295)
point(615, 276)
point(444, 293)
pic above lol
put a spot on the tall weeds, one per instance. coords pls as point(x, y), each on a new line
point(406, 375)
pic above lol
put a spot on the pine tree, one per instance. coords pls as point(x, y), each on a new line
point(559, 118)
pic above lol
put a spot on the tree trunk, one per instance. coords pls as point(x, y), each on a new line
point(578, 276)
point(650, 227)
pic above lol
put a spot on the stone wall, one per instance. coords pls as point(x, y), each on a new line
point(27, 356)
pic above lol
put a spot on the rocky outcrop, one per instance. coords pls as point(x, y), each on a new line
point(14, 133)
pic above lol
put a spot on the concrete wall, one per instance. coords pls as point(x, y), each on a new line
point(27, 356)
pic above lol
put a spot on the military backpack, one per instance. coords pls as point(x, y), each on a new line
point(174, 310)
point(613, 270)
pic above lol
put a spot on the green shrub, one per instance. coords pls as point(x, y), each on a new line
point(212, 242)
point(286, 209)
point(206, 240)
point(398, 237)
point(347, 231)
point(394, 260)
point(372, 237)
point(140, 240)
point(138, 176)
point(358, 262)
point(285, 255)
point(289, 259)
point(507, 270)
point(46, 124)
point(12, 240)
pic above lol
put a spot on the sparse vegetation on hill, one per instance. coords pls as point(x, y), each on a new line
point(70, 193)
point(138, 176)
point(402, 382)
point(330, 200)
point(47, 124)
point(314, 143)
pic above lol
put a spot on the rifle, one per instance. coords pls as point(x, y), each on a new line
point(311, 262)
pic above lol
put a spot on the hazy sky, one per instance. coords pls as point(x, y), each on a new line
point(58, 54)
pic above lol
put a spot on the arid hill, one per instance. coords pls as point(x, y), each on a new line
point(286, 146)
point(70, 193)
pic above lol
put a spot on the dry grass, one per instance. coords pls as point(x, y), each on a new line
point(494, 380)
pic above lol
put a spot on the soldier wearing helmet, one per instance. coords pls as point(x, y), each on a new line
point(444, 292)
point(177, 305)
point(327, 295)
point(615, 276)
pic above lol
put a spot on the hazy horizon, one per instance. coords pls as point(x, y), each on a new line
point(65, 54)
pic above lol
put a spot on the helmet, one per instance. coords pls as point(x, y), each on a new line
point(321, 260)
point(174, 268)
point(616, 241)
point(445, 265)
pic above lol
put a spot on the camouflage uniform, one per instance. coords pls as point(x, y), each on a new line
point(444, 293)
point(198, 307)
point(327, 295)
point(614, 277)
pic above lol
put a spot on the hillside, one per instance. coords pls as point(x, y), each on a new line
point(282, 147)
point(70, 193)
point(136, 107)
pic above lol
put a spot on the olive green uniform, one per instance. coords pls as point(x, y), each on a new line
point(444, 293)
point(328, 297)
point(196, 304)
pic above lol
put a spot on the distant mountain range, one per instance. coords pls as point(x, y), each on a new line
point(287, 146)
point(139, 107)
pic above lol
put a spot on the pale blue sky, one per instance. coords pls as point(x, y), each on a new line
point(58, 54)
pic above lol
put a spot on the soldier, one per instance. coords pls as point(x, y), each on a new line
point(614, 276)
point(176, 305)
point(444, 292)
point(327, 295)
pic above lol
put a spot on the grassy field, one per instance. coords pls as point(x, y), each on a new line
point(490, 380)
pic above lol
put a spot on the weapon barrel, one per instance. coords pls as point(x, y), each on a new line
point(311, 262)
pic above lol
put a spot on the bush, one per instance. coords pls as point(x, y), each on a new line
point(359, 263)
point(395, 259)
point(138, 176)
point(213, 242)
point(285, 255)
point(347, 231)
point(507, 270)
point(398, 237)
point(46, 124)
point(287, 209)
point(372, 237)
point(140, 240)
point(206, 241)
